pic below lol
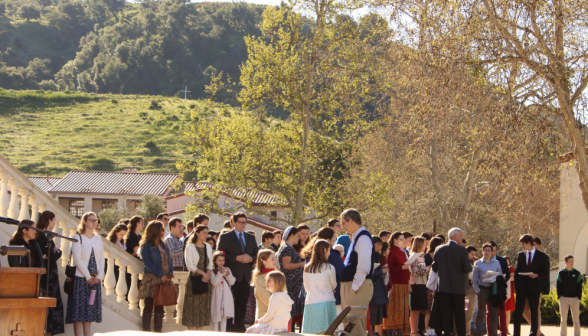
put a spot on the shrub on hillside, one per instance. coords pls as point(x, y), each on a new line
point(101, 164)
point(2, 8)
point(29, 12)
point(48, 85)
point(154, 104)
point(151, 206)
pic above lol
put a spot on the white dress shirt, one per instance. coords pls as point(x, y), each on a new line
point(320, 286)
point(527, 255)
point(82, 251)
point(363, 247)
point(192, 257)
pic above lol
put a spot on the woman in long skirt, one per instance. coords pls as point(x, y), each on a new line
point(291, 264)
point(198, 256)
point(398, 307)
point(55, 320)
point(88, 256)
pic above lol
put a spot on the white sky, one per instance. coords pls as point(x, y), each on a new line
point(260, 2)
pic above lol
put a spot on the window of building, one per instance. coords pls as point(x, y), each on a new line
point(274, 213)
point(76, 207)
point(109, 204)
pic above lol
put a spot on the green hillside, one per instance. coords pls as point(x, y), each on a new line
point(44, 132)
point(114, 46)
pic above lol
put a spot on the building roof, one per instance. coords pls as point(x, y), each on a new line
point(257, 223)
point(115, 183)
point(44, 182)
point(259, 198)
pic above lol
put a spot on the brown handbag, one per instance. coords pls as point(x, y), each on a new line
point(165, 294)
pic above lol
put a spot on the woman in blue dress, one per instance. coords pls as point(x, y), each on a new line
point(88, 256)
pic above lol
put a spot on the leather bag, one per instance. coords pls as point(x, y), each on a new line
point(165, 294)
point(198, 286)
point(70, 272)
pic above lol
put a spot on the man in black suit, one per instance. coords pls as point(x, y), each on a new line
point(532, 267)
point(502, 325)
point(240, 250)
point(452, 265)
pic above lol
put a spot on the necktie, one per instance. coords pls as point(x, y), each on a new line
point(529, 262)
point(242, 241)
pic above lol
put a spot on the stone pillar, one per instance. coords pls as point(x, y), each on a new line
point(42, 208)
point(34, 208)
point(121, 284)
point(65, 244)
point(142, 301)
point(13, 208)
point(134, 290)
point(182, 279)
point(110, 277)
point(24, 204)
point(4, 197)
point(87, 204)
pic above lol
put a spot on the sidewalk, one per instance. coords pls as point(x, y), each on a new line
point(549, 330)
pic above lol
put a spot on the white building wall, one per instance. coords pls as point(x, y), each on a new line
point(573, 220)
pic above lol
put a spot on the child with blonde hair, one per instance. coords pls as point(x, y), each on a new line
point(280, 304)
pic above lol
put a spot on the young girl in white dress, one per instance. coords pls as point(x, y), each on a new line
point(221, 304)
point(280, 304)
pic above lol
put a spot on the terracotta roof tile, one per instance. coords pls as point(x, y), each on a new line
point(43, 182)
point(256, 197)
point(116, 183)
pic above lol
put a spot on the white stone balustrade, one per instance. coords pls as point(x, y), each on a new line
point(17, 192)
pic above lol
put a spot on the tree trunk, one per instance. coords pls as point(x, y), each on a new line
point(437, 187)
point(468, 187)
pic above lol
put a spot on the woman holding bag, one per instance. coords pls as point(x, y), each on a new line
point(88, 256)
point(198, 257)
point(158, 269)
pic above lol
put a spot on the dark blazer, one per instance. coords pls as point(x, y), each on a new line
point(452, 265)
point(504, 266)
point(23, 261)
point(539, 266)
point(230, 245)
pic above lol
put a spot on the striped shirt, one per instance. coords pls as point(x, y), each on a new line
point(176, 248)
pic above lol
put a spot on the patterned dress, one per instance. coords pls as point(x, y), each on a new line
point(196, 311)
point(78, 309)
point(150, 281)
point(294, 278)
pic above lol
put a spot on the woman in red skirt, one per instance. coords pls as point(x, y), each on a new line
point(510, 302)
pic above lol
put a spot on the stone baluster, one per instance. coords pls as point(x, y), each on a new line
point(142, 301)
point(24, 204)
point(42, 208)
point(134, 290)
point(121, 284)
point(56, 241)
point(110, 277)
point(13, 209)
point(4, 198)
point(34, 208)
point(182, 279)
point(65, 244)
point(169, 314)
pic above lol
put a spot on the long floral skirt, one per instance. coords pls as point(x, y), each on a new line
point(196, 311)
point(398, 309)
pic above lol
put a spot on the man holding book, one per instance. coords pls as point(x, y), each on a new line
point(484, 275)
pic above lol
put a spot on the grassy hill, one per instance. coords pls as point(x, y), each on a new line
point(44, 132)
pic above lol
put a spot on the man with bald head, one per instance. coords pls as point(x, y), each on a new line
point(452, 265)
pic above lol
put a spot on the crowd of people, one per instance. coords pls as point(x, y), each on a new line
point(298, 279)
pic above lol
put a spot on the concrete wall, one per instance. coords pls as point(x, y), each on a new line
point(573, 220)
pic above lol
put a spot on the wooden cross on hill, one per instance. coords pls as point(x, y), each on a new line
point(185, 92)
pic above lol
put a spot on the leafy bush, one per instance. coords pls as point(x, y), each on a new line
point(151, 206)
point(29, 12)
point(101, 164)
point(154, 103)
point(150, 144)
point(550, 308)
point(109, 217)
point(114, 101)
point(192, 106)
point(2, 8)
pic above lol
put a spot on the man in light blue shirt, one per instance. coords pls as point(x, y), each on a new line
point(484, 289)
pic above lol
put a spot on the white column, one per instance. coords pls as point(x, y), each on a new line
point(24, 204)
point(134, 290)
point(142, 301)
point(65, 244)
point(121, 284)
point(169, 314)
point(4, 198)
point(182, 279)
point(34, 208)
point(56, 241)
point(109, 278)
point(42, 208)
point(13, 209)
point(87, 204)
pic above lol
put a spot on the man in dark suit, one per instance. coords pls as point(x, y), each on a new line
point(240, 250)
point(452, 265)
point(502, 325)
point(531, 268)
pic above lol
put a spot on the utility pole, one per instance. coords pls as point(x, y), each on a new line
point(186, 92)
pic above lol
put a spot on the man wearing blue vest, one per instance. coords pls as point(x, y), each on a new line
point(356, 278)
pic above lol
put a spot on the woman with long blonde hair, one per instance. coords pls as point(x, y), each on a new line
point(88, 256)
point(157, 269)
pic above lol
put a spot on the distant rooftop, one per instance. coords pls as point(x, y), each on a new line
point(256, 197)
point(116, 183)
point(44, 182)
